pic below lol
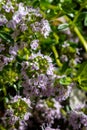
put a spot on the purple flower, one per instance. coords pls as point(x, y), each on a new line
point(2, 47)
point(65, 45)
point(84, 120)
point(27, 115)
point(35, 12)
point(34, 66)
point(33, 55)
point(4, 61)
point(23, 27)
point(13, 50)
point(48, 113)
point(49, 128)
point(74, 120)
point(3, 20)
point(43, 27)
point(8, 7)
point(61, 92)
point(18, 111)
point(22, 125)
point(11, 24)
point(36, 27)
point(17, 17)
point(9, 118)
point(50, 70)
point(20, 14)
point(34, 44)
point(64, 58)
point(42, 80)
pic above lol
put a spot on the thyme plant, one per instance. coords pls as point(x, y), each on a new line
point(43, 64)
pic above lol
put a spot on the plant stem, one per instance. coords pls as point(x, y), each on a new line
point(75, 28)
point(77, 15)
point(4, 91)
point(56, 56)
point(84, 42)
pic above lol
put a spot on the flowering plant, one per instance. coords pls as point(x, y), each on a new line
point(43, 53)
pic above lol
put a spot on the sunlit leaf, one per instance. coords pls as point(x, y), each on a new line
point(63, 26)
point(65, 81)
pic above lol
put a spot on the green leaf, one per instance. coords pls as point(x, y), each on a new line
point(65, 81)
point(63, 26)
point(47, 41)
point(45, 5)
point(68, 6)
point(82, 71)
point(50, 1)
point(49, 103)
point(82, 16)
point(82, 76)
point(83, 85)
point(6, 37)
point(2, 128)
point(85, 20)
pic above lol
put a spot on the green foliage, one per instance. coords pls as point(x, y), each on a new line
point(85, 20)
point(23, 54)
point(82, 76)
point(2, 128)
point(6, 37)
point(65, 44)
point(8, 76)
point(19, 107)
point(65, 81)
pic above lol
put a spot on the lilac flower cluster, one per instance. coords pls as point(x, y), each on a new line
point(39, 89)
point(17, 112)
point(48, 128)
point(19, 19)
point(8, 7)
point(76, 58)
point(77, 120)
point(42, 27)
point(40, 78)
point(38, 75)
point(50, 110)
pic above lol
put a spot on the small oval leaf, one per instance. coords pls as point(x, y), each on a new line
point(63, 26)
